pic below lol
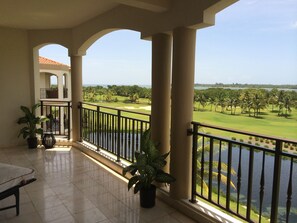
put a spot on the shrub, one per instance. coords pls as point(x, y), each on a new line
point(257, 144)
point(233, 138)
point(249, 142)
point(251, 137)
point(241, 140)
point(257, 138)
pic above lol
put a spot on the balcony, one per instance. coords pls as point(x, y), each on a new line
point(52, 93)
point(249, 176)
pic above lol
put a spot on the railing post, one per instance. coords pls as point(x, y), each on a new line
point(228, 176)
point(68, 120)
point(41, 112)
point(81, 121)
point(97, 124)
point(118, 137)
point(194, 162)
point(276, 180)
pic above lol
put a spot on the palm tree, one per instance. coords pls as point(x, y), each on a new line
point(258, 102)
point(287, 104)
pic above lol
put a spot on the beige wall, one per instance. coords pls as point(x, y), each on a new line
point(14, 83)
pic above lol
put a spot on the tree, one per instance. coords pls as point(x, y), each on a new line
point(258, 102)
point(272, 98)
point(134, 98)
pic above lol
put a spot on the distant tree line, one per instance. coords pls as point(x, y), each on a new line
point(249, 101)
point(109, 93)
point(237, 85)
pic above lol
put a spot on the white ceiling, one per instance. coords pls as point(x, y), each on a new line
point(60, 14)
point(50, 14)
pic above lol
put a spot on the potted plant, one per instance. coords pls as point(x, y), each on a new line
point(147, 169)
point(31, 121)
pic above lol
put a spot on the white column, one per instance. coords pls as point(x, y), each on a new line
point(60, 86)
point(184, 41)
point(161, 73)
point(77, 95)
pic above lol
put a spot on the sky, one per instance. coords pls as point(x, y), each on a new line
point(252, 42)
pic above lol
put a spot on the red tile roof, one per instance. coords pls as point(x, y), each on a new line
point(44, 60)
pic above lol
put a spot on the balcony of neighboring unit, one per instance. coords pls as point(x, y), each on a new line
point(52, 93)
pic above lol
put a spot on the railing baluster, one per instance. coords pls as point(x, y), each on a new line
point(93, 127)
point(98, 118)
point(238, 179)
point(219, 171)
point(262, 183)
point(108, 132)
point(229, 175)
point(276, 181)
point(289, 192)
point(101, 129)
point(202, 166)
point(113, 134)
point(210, 168)
point(41, 112)
point(119, 137)
point(59, 124)
point(68, 121)
point(250, 184)
point(194, 162)
point(125, 133)
point(133, 140)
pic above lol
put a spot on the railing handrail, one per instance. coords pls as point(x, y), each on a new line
point(54, 101)
point(116, 109)
point(245, 132)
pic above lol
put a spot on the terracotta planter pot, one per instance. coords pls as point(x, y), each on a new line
point(148, 197)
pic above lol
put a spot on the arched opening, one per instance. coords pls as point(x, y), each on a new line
point(54, 72)
point(119, 63)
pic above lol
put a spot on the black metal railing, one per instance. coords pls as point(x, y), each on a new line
point(250, 175)
point(58, 113)
point(114, 130)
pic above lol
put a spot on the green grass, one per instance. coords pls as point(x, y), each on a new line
point(267, 124)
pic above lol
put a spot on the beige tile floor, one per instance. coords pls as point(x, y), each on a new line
point(71, 187)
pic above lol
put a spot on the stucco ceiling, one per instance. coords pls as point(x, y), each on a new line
point(50, 14)
point(60, 14)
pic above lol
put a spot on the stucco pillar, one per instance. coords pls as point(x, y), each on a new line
point(161, 72)
point(60, 86)
point(77, 94)
point(183, 66)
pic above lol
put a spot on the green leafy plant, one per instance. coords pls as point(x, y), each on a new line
point(148, 167)
point(31, 121)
